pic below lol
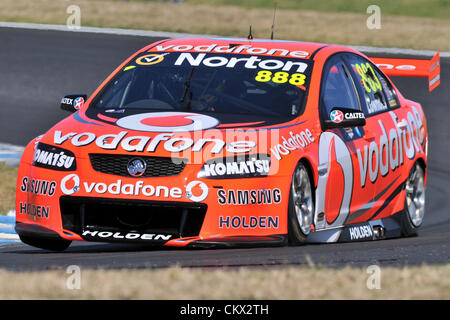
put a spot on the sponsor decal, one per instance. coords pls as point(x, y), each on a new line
point(167, 122)
point(136, 167)
point(125, 236)
point(150, 59)
point(252, 222)
point(55, 158)
point(387, 66)
point(147, 144)
point(360, 232)
point(377, 158)
point(195, 191)
point(34, 210)
point(67, 101)
point(38, 187)
point(78, 103)
point(241, 49)
point(376, 105)
point(251, 62)
point(248, 197)
point(194, 196)
point(70, 184)
point(257, 165)
point(293, 142)
point(336, 116)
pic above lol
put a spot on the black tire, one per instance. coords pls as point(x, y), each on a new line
point(47, 244)
point(414, 183)
point(297, 234)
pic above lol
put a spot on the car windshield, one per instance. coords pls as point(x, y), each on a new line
point(201, 82)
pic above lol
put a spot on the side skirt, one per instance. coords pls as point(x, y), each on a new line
point(366, 231)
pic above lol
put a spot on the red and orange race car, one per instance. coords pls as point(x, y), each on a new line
point(200, 142)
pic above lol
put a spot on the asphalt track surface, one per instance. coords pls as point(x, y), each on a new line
point(37, 68)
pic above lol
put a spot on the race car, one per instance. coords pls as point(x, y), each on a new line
point(232, 142)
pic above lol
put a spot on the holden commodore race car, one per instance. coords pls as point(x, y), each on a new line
point(219, 142)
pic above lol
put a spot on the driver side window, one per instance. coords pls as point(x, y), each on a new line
point(338, 89)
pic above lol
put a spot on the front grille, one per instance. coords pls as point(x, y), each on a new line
point(115, 215)
point(156, 166)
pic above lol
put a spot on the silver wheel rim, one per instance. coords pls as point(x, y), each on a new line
point(302, 197)
point(415, 196)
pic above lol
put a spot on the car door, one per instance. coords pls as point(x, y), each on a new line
point(379, 104)
point(340, 191)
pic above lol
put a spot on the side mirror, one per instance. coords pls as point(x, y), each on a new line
point(344, 118)
point(73, 102)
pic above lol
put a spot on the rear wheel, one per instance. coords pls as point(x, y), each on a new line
point(301, 205)
point(412, 217)
point(47, 244)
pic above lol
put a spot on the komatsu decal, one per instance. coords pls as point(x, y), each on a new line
point(225, 168)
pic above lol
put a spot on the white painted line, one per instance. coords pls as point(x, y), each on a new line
point(115, 31)
point(149, 33)
point(10, 154)
point(8, 236)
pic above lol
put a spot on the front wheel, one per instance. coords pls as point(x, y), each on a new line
point(412, 216)
point(301, 205)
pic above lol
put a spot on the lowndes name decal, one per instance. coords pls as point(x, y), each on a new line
point(248, 197)
point(146, 144)
point(241, 49)
point(195, 191)
point(51, 157)
point(118, 236)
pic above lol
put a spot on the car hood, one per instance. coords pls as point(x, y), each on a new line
point(191, 136)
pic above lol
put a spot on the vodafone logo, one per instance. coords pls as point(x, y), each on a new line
point(195, 191)
point(168, 122)
point(193, 194)
point(70, 184)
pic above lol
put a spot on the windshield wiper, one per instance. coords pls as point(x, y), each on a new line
point(187, 88)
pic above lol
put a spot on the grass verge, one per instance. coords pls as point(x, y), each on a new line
point(425, 282)
point(8, 177)
point(415, 8)
point(304, 25)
